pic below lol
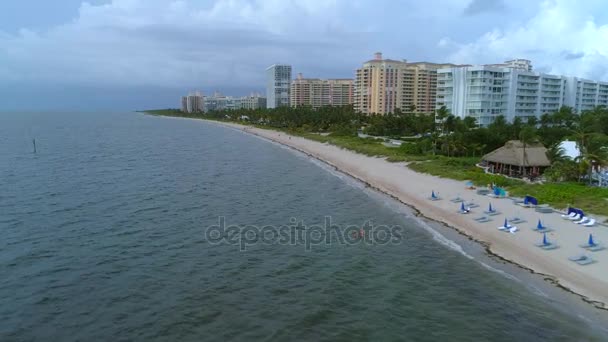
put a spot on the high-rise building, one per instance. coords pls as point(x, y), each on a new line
point(318, 93)
point(184, 104)
point(278, 78)
point(487, 91)
point(383, 85)
point(193, 103)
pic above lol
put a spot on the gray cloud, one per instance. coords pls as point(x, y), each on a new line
point(482, 6)
point(227, 44)
point(570, 55)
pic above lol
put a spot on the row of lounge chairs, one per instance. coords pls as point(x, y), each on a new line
point(576, 216)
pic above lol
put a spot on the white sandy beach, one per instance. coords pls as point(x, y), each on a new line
point(412, 188)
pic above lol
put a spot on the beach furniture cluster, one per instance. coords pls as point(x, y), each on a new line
point(578, 216)
point(574, 215)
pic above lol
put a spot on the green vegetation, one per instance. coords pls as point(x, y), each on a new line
point(447, 146)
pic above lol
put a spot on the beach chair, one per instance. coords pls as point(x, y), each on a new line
point(544, 209)
point(483, 191)
point(483, 219)
point(582, 259)
point(568, 216)
point(457, 199)
point(582, 220)
point(575, 217)
point(517, 220)
point(591, 223)
point(512, 230)
point(577, 257)
point(472, 204)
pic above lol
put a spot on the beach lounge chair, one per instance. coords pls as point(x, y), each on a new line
point(577, 257)
point(544, 208)
point(483, 191)
point(583, 220)
point(512, 230)
point(483, 219)
point(575, 217)
point(517, 220)
point(582, 259)
point(591, 223)
point(457, 199)
point(569, 215)
point(471, 204)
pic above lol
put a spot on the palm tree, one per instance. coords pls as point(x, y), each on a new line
point(526, 135)
point(556, 153)
point(594, 152)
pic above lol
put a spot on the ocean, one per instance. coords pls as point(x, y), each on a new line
point(129, 227)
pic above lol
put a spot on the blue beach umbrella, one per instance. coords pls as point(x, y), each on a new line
point(433, 194)
point(490, 209)
point(462, 206)
point(506, 223)
point(545, 242)
point(591, 242)
point(539, 226)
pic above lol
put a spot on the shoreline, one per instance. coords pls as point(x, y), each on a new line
point(586, 282)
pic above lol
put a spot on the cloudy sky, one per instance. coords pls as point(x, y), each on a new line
point(131, 54)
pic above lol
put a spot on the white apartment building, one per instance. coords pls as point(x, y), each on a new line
point(513, 90)
point(278, 82)
point(221, 102)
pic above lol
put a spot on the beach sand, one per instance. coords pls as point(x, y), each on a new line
point(414, 189)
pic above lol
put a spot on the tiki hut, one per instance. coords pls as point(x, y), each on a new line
point(516, 160)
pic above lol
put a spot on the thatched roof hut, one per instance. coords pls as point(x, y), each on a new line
point(515, 160)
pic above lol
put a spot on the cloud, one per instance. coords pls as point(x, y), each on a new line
point(562, 38)
point(569, 55)
point(481, 6)
point(178, 43)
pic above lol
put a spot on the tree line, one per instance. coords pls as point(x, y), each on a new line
point(449, 135)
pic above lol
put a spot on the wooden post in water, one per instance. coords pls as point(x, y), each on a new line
point(34, 141)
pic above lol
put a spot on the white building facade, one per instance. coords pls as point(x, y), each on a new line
point(278, 82)
point(513, 90)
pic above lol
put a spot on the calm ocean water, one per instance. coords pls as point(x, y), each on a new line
point(104, 237)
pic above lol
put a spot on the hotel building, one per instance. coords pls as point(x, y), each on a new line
point(193, 103)
point(383, 85)
point(513, 90)
point(278, 82)
point(318, 93)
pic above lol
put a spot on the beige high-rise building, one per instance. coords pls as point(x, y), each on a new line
point(317, 93)
point(382, 85)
